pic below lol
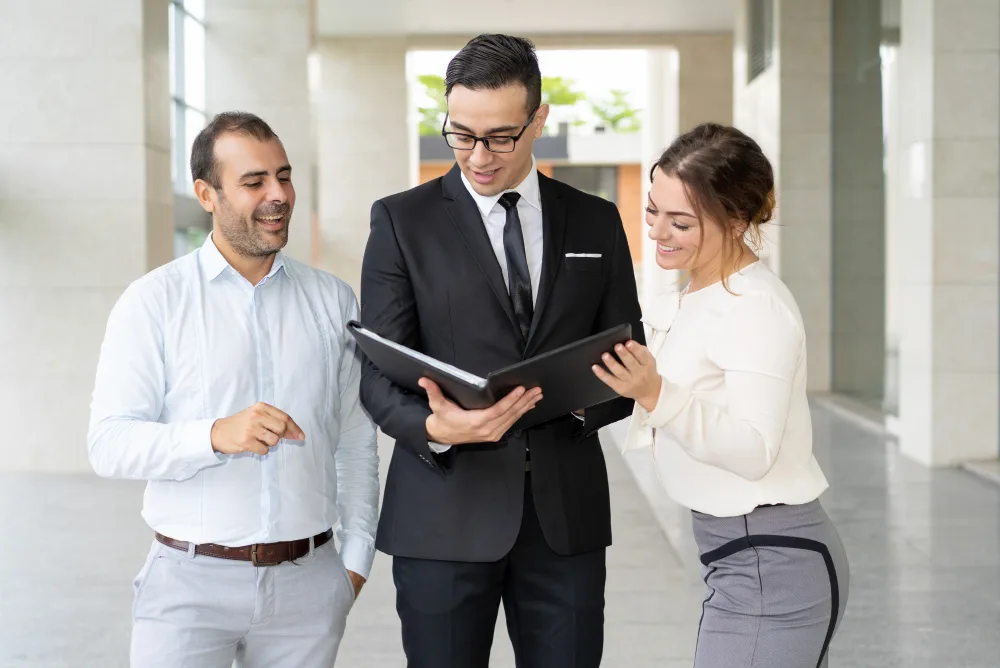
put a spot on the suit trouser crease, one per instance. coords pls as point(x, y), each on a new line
point(554, 605)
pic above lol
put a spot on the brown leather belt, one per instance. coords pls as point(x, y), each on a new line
point(261, 554)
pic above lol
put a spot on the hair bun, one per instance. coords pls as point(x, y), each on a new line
point(765, 212)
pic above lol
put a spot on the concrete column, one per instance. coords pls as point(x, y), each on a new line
point(659, 129)
point(705, 80)
point(787, 110)
point(859, 240)
point(896, 232)
point(85, 204)
point(949, 70)
point(689, 84)
point(366, 150)
point(256, 60)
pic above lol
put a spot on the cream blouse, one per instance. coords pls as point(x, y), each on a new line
point(731, 429)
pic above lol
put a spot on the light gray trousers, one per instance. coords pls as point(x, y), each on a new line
point(777, 588)
point(192, 611)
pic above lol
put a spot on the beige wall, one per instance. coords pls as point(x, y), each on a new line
point(949, 71)
point(363, 142)
point(86, 206)
point(690, 81)
point(705, 80)
point(255, 60)
point(787, 110)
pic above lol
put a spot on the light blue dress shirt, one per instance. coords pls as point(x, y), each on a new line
point(193, 341)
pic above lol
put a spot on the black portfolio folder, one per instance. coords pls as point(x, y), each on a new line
point(564, 374)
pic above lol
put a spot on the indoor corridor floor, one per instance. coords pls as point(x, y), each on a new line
point(924, 548)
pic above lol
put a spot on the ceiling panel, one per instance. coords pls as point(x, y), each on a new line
point(535, 17)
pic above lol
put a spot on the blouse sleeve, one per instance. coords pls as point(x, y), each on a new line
point(758, 349)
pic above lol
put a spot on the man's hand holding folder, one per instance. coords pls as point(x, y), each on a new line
point(467, 408)
point(450, 424)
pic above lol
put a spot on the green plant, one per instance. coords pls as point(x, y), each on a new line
point(432, 117)
point(559, 92)
point(556, 91)
point(617, 113)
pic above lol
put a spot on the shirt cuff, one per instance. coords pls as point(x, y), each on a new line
point(438, 448)
point(196, 446)
point(669, 404)
point(357, 555)
point(581, 418)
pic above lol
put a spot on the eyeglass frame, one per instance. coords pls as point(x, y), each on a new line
point(486, 140)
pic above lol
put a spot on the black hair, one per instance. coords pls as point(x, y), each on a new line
point(203, 150)
point(494, 61)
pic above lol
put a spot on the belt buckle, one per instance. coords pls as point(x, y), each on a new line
point(255, 561)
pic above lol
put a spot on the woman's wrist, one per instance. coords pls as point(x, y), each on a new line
point(650, 399)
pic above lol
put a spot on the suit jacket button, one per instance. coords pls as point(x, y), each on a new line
point(518, 432)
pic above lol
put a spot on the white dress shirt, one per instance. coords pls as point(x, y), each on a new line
point(731, 429)
point(192, 342)
point(529, 210)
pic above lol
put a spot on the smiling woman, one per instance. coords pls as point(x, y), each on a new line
point(712, 190)
point(721, 399)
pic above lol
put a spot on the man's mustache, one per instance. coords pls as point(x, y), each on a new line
point(272, 210)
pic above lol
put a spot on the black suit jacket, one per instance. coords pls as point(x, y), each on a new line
point(431, 281)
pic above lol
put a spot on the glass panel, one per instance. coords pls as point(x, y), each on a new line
point(196, 8)
point(857, 204)
point(760, 44)
point(607, 183)
point(194, 121)
point(174, 132)
point(172, 40)
point(194, 63)
point(596, 180)
point(896, 232)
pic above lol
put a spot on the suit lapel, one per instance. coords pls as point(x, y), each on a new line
point(553, 234)
point(466, 217)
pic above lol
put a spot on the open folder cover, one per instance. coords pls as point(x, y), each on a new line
point(568, 383)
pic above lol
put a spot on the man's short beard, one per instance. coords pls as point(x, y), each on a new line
point(241, 234)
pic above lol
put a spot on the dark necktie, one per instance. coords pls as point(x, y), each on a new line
point(518, 278)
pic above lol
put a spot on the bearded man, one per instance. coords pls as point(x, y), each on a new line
point(228, 381)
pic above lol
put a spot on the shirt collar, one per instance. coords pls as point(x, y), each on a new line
point(660, 308)
point(213, 263)
point(528, 189)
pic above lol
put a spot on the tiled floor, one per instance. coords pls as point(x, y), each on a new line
point(924, 545)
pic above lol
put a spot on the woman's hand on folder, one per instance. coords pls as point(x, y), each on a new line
point(635, 377)
point(450, 424)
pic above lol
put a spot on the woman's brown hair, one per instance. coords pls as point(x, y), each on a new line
point(728, 180)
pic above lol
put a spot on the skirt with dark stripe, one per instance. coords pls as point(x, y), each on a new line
point(777, 588)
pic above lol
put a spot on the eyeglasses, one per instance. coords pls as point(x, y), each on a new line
point(496, 143)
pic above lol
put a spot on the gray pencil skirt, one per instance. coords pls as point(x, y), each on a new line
point(777, 588)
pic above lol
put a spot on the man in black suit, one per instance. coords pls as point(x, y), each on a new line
point(491, 264)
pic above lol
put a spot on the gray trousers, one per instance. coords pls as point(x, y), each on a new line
point(777, 587)
point(192, 611)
